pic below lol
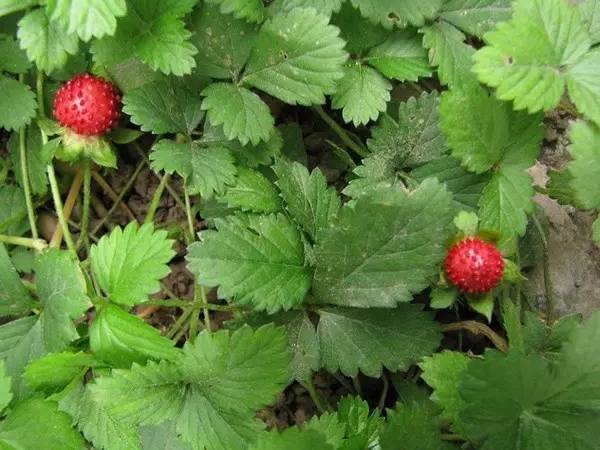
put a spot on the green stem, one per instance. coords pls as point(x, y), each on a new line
point(26, 182)
point(155, 202)
point(205, 308)
point(185, 304)
point(384, 392)
point(87, 194)
point(37, 244)
point(58, 206)
point(314, 395)
point(546, 268)
point(188, 213)
point(180, 323)
point(342, 134)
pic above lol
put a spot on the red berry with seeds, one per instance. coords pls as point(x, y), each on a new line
point(474, 266)
point(87, 105)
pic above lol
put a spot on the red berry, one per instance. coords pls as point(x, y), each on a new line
point(87, 105)
point(474, 266)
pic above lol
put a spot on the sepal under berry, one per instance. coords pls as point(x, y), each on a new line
point(75, 148)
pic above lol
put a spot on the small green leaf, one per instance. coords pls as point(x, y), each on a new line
point(213, 170)
point(10, 6)
point(171, 157)
point(37, 160)
point(14, 298)
point(399, 13)
point(585, 165)
point(401, 57)
point(467, 222)
point(590, 15)
point(251, 10)
point(12, 58)
point(55, 371)
point(17, 104)
point(475, 17)
point(442, 298)
point(254, 192)
point(13, 213)
point(483, 305)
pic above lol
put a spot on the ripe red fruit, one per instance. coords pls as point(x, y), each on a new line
point(87, 105)
point(474, 266)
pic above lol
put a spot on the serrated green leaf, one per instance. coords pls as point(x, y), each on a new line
point(5, 387)
point(525, 58)
point(293, 437)
point(584, 87)
point(362, 427)
point(37, 160)
point(475, 17)
point(93, 18)
point(14, 298)
point(546, 339)
point(162, 437)
point(360, 35)
point(17, 104)
point(212, 170)
point(590, 15)
point(398, 12)
point(401, 57)
point(128, 264)
point(120, 339)
point(307, 197)
point(254, 192)
point(55, 371)
point(45, 42)
point(353, 340)
point(585, 165)
point(168, 105)
point(361, 94)
point(10, 6)
point(258, 262)
point(297, 57)
point(242, 113)
point(250, 10)
point(171, 157)
point(12, 58)
point(384, 247)
point(13, 212)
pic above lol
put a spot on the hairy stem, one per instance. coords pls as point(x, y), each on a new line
point(37, 244)
point(342, 134)
point(85, 219)
point(58, 206)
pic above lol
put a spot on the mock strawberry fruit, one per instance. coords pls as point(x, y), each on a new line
point(474, 266)
point(87, 105)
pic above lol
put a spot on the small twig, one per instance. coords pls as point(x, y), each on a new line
point(116, 198)
point(342, 134)
point(477, 328)
point(37, 244)
point(64, 212)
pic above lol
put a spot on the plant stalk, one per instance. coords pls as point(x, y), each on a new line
point(85, 219)
point(342, 134)
point(155, 202)
point(37, 244)
point(25, 180)
point(58, 206)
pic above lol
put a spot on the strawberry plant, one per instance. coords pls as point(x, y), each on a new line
point(293, 224)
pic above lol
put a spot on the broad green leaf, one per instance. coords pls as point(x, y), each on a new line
point(223, 42)
point(35, 421)
point(307, 197)
point(55, 371)
point(119, 339)
point(212, 170)
point(450, 54)
point(12, 58)
point(584, 87)
point(169, 105)
point(547, 339)
point(17, 104)
point(475, 17)
point(361, 94)
point(46, 43)
point(590, 15)
point(353, 340)
point(252, 191)
point(398, 12)
point(10, 6)
point(5, 387)
point(14, 298)
point(250, 10)
point(128, 264)
point(401, 57)
point(443, 373)
point(242, 113)
point(293, 437)
point(37, 160)
point(13, 213)
point(529, 57)
point(298, 57)
point(384, 247)
point(258, 260)
point(162, 437)
point(585, 165)
point(92, 18)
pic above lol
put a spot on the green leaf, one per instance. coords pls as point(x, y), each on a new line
point(223, 42)
point(258, 260)
point(467, 222)
point(254, 192)
point(362, 427)
point(242, 113)
point(34, 421)
point(171, 157)
point(443, 372)
point(450, 54)
point(5, 387)
point(162, 437)
point(55, 371)
point(590, 15)
point(401, 57)
point(360, 35)
point(584, 87)
point(10, 6)
point(212, 170)
point(529, 58)
point(308, 199)
point(93, 18)
point(547, 339)
point(46, 43)
point(384, 247)
point(13, 213)
point(14, 298)
point(17, 104)
point(442, 298)
point(475, 17)
point(398, 12)
point(128, 264)
point(298, 57)
point(251, 10)
point(119, 339)
point(37, 160)
point(12, 58)
point(293, 437)
point(169, 105)
point(585, 164)
point(361, 94)
point(367, 340)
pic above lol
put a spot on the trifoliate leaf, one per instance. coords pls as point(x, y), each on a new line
point(10, 6)
point(223, 42)
point(169, 105)
point(34, 421)
point(353, 340)
point(585, 164)
point(475, 17)
point(13, 212)
point(251, 10)
point(119, 339)
point(242, 113)
point(307, 197)
point(254, 192)
point(398, 12)
point(443, 373)
point(293, 437)
point(5, 387)
point(45, 42)
point(590, 15)
point(93, 18)
point(298, 57)
point(361, 94)
point(401, 57)
point(12, 58)
point(55, 371)
point(128, 264)
point(14, 298)
point(37, 159)
point(533, 71)
point(17, 104)
point(369, 257)
point(258, 260)
point(449, 53)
